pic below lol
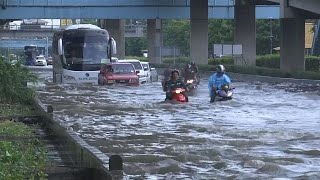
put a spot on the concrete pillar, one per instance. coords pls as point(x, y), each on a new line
point(199, 31)
point(245, 31)
point(292, 44)
point(116, 29)
point(154, 36)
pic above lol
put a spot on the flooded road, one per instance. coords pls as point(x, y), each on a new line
point(266, 131)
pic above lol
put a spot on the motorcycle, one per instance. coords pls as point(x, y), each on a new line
point(191, 84)
point(225, 93)
point(178, 95)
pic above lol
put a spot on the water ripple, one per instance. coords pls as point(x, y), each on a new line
point(266, 131)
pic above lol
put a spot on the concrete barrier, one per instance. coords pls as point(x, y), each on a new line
point(257, 78)
point(98, 165)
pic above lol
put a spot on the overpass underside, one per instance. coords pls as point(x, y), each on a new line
point(292, 12)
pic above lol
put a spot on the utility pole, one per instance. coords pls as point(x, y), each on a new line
point(271, 36)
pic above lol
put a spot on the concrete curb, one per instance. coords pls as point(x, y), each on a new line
point(83, 154)
point(257, 78)
point(275, 80)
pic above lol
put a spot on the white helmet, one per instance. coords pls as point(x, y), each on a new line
point(221, 69)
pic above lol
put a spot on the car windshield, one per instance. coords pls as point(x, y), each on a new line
point(137, 65)
point(123, 69)
point(145, 66)
point(40, 58)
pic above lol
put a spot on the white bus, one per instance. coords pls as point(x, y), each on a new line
point(78, 52)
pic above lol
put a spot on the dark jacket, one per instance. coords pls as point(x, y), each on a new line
point(170, 85)
point(167, 74)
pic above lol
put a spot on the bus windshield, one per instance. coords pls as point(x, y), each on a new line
point(85, 49)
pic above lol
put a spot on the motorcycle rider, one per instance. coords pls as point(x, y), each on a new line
point(174, 82)
point(217, 81)
point(195, 71)
point(194, 67)
point(166, 75)
point(190, 71)
point(187, 72)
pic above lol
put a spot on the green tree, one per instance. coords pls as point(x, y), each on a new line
point(176, 33)
point(219, 31)
point(263, 31)
point(88, 21)
point(135, 45)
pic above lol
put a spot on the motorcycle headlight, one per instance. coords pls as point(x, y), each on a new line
point(190, 81)
point(178, 91)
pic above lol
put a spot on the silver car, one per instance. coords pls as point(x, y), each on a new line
point(151, 72)
point(40, 61)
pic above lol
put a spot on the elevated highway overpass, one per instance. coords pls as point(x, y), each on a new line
point(311, 6)
point(14, 31)
point(244, 12)
point(121, 9)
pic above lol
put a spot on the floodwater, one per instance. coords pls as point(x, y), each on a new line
point(266, 131)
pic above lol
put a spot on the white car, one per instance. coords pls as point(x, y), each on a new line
point(152, 74)
point(40, 61)
point(143, 78)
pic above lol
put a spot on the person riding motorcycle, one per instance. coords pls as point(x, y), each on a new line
point(174, 82)
point(191, 71)
point(195, 71)
point(167, 74)
point(187, 72)
point(218, 81)
point(194, 67)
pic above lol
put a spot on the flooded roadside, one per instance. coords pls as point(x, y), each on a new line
point(265, 131)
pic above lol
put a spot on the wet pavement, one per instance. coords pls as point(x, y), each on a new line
point(266, 131)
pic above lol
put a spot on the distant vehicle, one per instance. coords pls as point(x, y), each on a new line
point(40, 61)
point(138, 66)
point(49, 60)
point(144, 53)
point(78, 53)
point(31, 52)
point(152, 74)
point(122, 73)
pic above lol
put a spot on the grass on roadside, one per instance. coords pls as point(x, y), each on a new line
point(21, 158)
point(13, 109)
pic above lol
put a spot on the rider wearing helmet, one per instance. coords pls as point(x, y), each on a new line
point(174, 82)
point(190, 71)
point(217, 81)
point(194, 67)
point(187, 72)
point(195, 72)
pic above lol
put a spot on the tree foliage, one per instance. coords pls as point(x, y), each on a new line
point(135, 45)
point(13, 82)
point(88, 21)
point(263, 30)
point(219, 32)
point(176, 33)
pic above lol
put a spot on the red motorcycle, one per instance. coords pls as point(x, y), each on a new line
point(178, 95)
